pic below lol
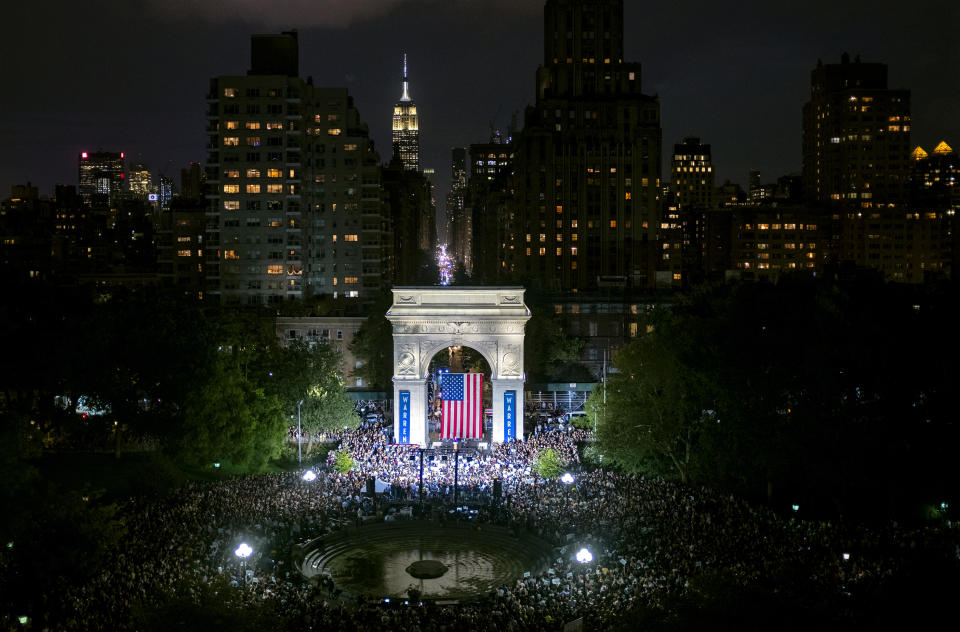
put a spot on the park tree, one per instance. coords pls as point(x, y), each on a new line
point(656, 409)
point(373, 345)
point(228, 418)
point(548, 464)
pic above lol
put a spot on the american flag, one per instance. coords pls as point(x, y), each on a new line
point(462, 396)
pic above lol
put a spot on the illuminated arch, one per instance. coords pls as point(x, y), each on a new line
point(425, 320)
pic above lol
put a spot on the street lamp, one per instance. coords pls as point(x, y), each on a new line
point(299, 434)
point(584, 555)
point(243, 552)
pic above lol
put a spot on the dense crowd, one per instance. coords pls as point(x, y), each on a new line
point(650, 539)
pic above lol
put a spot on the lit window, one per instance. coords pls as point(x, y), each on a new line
point(334, 131)
point(274, 173)
point(613, 223)
point(230, 254)
point(559, 252)
point(183, 253)
point(253, 188)
point(231, 141)
point(232, 124)
point(231, 205)
point(275, 125)
point(230, 93)
point(275, 269)
point(350, 147)
point(274, 188)
point(543, 251)
point(231, 173)
point(348, 280)
point(231, 188)
point(350, 238)
point(253, 141)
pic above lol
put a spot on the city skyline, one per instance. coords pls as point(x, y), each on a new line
point(133, 79)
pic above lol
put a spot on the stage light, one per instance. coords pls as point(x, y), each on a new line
point(584, 555)
point(243, 551)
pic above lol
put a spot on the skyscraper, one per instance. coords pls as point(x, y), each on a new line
point(587, 165)
point(293, 186)
point(856, 137)
point(101, 176)
point(141, 181)
point(406, 126)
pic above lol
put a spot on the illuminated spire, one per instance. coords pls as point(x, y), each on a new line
point(943, 149)
point(406, 83)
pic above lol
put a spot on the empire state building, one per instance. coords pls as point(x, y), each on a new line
point(406, 127)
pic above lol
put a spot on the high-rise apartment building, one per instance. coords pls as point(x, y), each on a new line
point(406, 126)
point(585, 208)
point(856, 137)
point(692, 173)
point(293, 182)
point(101, 176)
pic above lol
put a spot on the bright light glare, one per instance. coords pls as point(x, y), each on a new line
point(567, 478)
point(846, 556)
point(584, 556)
point(243, 551)
point(309, 475)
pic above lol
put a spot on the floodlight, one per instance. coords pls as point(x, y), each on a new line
point(584, 555)
point(309, 476)
point(846, 556)
point(796, 507)
point(567, 478)
point(243, 551)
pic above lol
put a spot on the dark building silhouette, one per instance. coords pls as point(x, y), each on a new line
point(585, 207)
point(856, 137)
point(408, 197)
point(488, 193)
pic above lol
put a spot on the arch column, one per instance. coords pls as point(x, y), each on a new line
point(418, 409)
point(501, 387)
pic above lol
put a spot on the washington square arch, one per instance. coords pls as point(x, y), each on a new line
point(427, 320)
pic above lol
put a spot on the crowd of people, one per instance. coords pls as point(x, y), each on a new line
point(651, 541)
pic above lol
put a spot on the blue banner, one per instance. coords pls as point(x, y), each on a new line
point(404, 434)
point(509, 416)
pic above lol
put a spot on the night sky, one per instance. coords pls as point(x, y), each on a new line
point(131, 75)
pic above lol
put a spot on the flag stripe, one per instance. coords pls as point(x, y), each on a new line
point(462, 406)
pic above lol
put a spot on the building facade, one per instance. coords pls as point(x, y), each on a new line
point(102, 177)
point(293, 186)
point(585, 206)
point(856, 137)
